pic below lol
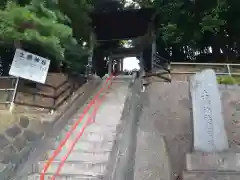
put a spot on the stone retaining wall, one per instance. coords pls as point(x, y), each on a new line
point(28, 95)
point(16, 138)
point(19, 139)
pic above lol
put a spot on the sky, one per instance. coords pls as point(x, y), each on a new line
point(130, 63)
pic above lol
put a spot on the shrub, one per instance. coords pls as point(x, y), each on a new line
point(228, 80)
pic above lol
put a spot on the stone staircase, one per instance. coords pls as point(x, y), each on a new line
point(90, 156)
point(212, 166)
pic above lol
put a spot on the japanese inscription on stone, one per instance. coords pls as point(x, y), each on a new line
point(208, 123)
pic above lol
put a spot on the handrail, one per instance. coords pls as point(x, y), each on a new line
point(157, 56)
point(69, 133)
point(89, 120)
point(227, 65)
point(161, 62)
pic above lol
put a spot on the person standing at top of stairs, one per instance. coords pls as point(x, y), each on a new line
point(115, 69)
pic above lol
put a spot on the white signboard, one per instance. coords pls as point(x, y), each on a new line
point(208, 123)
point(29, 66)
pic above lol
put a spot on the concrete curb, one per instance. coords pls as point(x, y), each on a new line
point(120, 128)
point(121, 164)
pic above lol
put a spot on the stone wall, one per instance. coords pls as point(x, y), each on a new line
point(40, 95)
point(18, 139)
point(19, 135)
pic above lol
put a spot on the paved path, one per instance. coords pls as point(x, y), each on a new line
point(164, 131)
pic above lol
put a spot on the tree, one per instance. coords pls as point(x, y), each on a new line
point(43, 26)
point(197, 30)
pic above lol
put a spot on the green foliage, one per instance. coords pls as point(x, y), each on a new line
point(78, 12)
point(75, 57)
point(185, 30)
point(196, 26)
point(25, 24)
point(228, 80)
point(46, 24)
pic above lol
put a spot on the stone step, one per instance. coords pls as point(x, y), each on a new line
point(94, 128)
point(81, 156)
point(107, 124)
point(84, 169)
point(88, 146)
point(210, 176)
point(36, 176)
point(213, 161)
point(126, 81)
point(76, 117)
point(107, 137)
point(109, 113)
point(107, 121)
point(94, 136)
point(98, 138)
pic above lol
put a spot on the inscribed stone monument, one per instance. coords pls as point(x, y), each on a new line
point(208, 124)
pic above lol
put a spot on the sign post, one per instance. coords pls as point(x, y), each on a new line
point(14, 95)
point(28, 66)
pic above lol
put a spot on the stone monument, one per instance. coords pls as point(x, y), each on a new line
point(208, 124)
